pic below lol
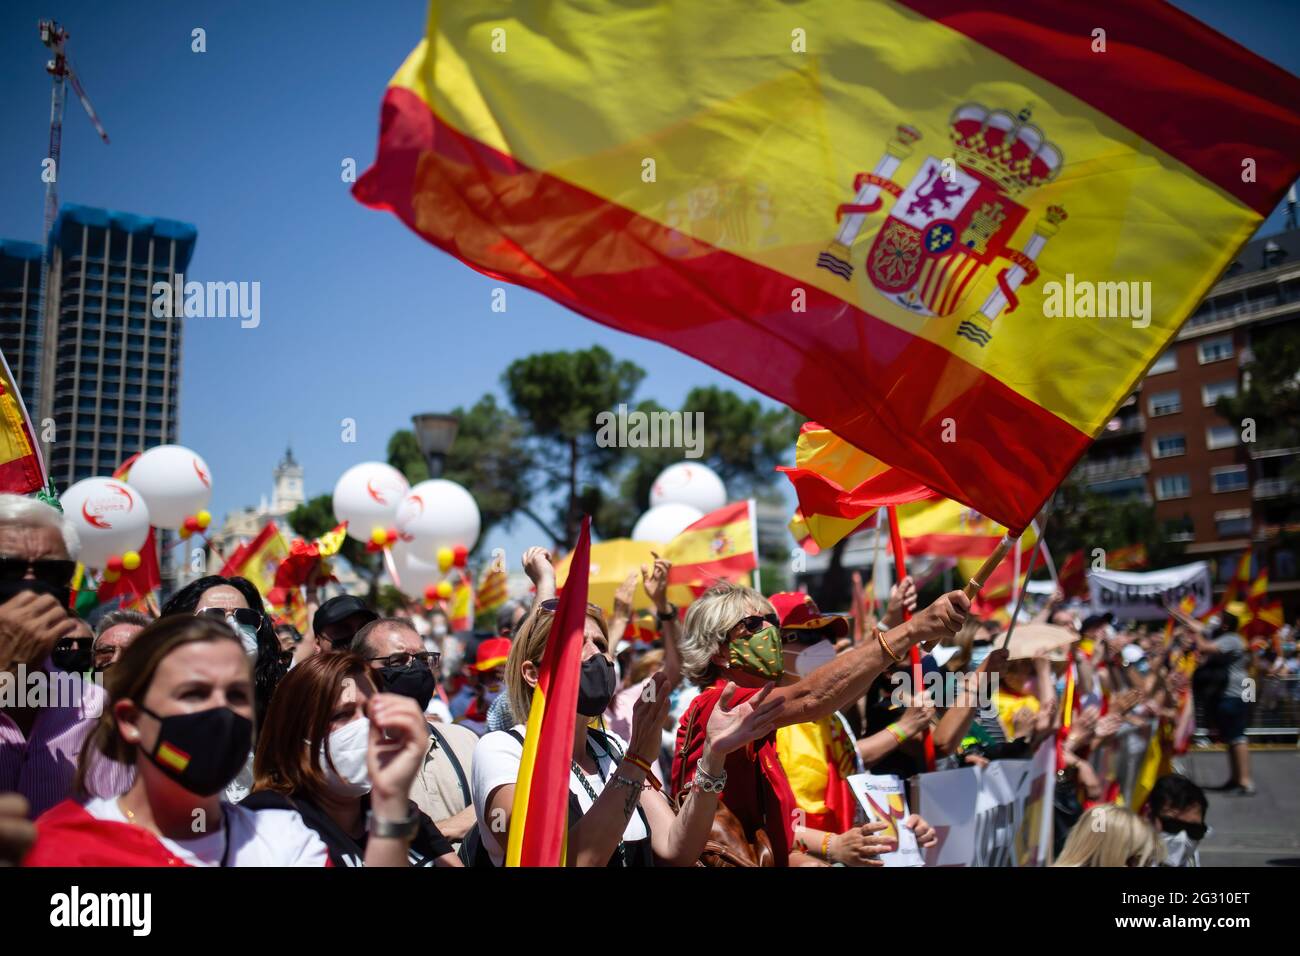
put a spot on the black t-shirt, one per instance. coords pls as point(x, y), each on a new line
point(427, 845)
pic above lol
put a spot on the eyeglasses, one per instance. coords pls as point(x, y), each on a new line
point(551, 604)
point(52, 571)
point(239, 615)
point(754, 622)
point(402, 659)
point(1172, 825)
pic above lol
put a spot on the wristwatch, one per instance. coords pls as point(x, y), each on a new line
point(668, 615)
point(395, 829)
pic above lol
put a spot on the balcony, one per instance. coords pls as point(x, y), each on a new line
point(1113, 469)
point(1120, 426)
point(1274, 487)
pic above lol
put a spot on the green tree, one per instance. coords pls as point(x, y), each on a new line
point(1083, 519)
point(315, 517)
point(1271, 396)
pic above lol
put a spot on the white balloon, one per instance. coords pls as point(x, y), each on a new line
point(111, 518)
point(689, 483)
point(439, 514)
point(665, 522)
point(175, 483)
point(367, 497)
point(415, 572)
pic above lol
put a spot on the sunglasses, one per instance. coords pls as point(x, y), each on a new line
point(52, 571)
point(237, 615)
point(755, 622)
point(1172, 825)
point(402, 659)
point(551, 604)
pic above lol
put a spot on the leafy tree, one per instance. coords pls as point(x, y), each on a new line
point(1083, 519)
point(1271, 396)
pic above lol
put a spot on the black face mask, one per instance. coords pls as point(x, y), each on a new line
point(415, 681)
point(596, 685)
point(202, 751)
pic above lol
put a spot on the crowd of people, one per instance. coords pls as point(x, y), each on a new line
point(722, 736)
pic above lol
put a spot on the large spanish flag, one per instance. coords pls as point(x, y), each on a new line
point(947, 527)
point(840, 487)
point(539, 821)
point(868, 211)
point(723, 545)
point(22, 470)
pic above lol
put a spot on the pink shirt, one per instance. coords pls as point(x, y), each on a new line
point(43, 767)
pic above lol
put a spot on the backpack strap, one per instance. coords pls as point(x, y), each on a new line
point(455, 763)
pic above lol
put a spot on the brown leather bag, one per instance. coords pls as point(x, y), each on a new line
point(727, 844)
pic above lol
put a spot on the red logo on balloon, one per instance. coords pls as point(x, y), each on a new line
point(96, 520)
point(203, 476)
point(375, 493)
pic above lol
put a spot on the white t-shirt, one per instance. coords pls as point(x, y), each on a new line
point(257, 838)
point(496, 763)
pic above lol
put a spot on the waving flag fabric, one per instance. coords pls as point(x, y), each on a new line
point(950, 528)
point(21, 469)
point(866, 211)
point(721, 545)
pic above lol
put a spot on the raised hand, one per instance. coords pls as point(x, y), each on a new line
point(623, 597)
point(648, 717)
point(538, 566)
point(730, 728)
point(656, 581)
point(399, 739)
point(941, 619)
point(901, 595)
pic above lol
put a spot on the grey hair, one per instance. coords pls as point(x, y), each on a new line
point(119, 616)
point(708, 620)
point(19, 511)
point(361, 639)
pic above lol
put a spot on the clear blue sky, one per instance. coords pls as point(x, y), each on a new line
point(360, 318)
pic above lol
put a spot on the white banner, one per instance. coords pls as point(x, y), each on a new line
point(1141, 595)
point(999, 815)
point(883, 799)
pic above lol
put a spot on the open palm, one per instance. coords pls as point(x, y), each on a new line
point(730, 728)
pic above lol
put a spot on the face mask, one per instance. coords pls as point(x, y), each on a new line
point(440, 630)
point(595, 685)
point(202, 751)
point(415, 681)
point(247, 637)
point(347, 747)
point(811, 658)
point(977, 654)
point(758, 654)
point(1180, 849)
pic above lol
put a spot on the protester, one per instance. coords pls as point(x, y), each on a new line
point(395, 652)
point(732, 636)
point(1176, 809)
point(74, 654)
point(337, 621)
point(339, 753)
point(181, 714)
point(39, 745)
point(287, 635)
point(616, 817)
point(1108, 835)
point(114, 634)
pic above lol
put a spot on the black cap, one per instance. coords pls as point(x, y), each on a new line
point(338, 609)
point(1096, 620)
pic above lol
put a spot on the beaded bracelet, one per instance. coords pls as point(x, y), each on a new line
point(826, 846)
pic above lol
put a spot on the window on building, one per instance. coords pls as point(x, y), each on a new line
point(1164, 403)
point(1232, 524)
point(1216, 349)
point(1173, 486)
point(1228, 478)
point(1213, 392)
point(1169, 446)
point(1167, 362)
point(1180, 529)
point(1220, 436)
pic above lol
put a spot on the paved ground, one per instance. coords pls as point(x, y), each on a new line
point(1263, 830)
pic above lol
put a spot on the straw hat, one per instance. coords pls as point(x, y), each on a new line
point(1028, 639)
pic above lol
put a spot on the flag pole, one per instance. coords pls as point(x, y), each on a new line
point(1033, 562)
point(753, 532)
point(900, 571)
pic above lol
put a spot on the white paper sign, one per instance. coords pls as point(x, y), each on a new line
point(884, 800)
point(1141, 595)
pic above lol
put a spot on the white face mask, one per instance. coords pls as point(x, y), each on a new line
point(1180, 849)
point(347, 747)
point(440, 630)
point(811, 658)
point(247, 636)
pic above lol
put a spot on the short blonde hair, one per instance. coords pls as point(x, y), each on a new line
point(708, 620)
point(1111, 835)
point(529, 644)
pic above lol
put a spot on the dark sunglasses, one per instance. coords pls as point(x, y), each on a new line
point(402, 659)
point(551, 604)
point(240, 615)
point(754, 623)
point(52, 571)
point(1172, 826)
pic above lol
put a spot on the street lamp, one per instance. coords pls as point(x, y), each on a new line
point(434, 434)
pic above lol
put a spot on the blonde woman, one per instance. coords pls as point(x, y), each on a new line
point(1110, 835)
point(616, 817)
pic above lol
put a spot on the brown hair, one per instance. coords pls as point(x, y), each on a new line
point(300, 711)
point(529, 644)
point(132, 676)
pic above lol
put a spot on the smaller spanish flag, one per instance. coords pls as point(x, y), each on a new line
point(21, 469)
point(721, 545)
point(492, 591)
point(172, 756)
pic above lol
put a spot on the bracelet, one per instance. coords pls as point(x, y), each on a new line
point(667, 615)
point(640, 764)
point(394, 829)
point(706, 783)
point(622, 781)
point(898, 734)
point(826, 846)
point(880, 635)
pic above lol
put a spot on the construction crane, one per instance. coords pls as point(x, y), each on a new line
point(55, 37)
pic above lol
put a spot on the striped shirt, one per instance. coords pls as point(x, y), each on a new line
point(43, 766)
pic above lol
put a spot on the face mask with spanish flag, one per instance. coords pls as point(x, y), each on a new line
point(201, 751)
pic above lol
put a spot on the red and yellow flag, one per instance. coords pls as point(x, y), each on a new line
point(839, 487)
point(22, 470)
point(955, 232)
point(492, 591)
point(1262, 617)
point(723, 545)
point(539, 821)
point(947, 527)
point(460, 610)
point(259, 560)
